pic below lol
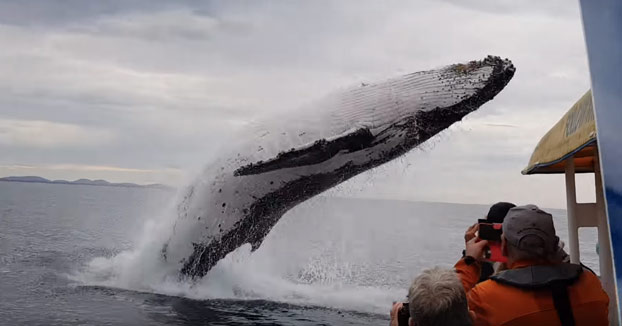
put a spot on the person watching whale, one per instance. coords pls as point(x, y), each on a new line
point(435, 298)
point(496, 214)
point(538, 288)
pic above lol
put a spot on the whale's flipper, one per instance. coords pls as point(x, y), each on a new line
point(318, 152)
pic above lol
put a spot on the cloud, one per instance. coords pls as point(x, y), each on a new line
point(78, 167)
point(164, 26)
point(556, 8)
point(45, 134)
point(167, 83)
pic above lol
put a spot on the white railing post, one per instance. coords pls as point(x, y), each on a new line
point(571, 204)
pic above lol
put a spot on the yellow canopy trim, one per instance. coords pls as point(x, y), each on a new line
point(574, 135)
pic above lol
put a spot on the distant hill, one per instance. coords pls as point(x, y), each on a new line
point(86, 182)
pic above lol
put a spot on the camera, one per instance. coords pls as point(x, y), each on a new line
point(492, 232)
point(403, 315)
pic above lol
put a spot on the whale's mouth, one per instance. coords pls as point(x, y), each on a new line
point(430, 122)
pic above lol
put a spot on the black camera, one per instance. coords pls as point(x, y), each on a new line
point(403, 315)
point(490, 231)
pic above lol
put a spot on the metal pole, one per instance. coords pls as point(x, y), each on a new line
point(571, 204)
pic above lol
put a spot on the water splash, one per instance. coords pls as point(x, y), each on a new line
point(317, 271)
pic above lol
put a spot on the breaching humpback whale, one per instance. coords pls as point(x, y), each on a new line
point(239, 198)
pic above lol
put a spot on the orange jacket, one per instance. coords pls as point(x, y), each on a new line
point(499, 304)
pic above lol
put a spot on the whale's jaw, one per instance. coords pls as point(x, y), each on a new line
point(260, 192)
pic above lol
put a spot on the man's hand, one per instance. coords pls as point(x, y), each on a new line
point(475, 248)
point(470, 232)
point(394, 311)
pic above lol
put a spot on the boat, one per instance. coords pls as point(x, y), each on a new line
point(571, 147)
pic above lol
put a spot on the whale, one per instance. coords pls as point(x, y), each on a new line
point(238, 198)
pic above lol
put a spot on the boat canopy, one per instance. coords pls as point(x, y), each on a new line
point(573, 136)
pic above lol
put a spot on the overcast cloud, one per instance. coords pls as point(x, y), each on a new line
point(146, 91)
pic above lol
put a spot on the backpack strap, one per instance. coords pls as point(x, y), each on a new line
point(561, 301)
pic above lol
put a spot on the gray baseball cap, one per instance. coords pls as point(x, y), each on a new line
point(530, 229)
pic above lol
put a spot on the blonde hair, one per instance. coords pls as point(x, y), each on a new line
point(436, 297)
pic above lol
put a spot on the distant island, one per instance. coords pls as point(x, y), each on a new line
point(84, 182)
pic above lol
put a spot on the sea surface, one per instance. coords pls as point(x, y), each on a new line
point(73, 255)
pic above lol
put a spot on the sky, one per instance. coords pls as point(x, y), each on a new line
point(149, 91)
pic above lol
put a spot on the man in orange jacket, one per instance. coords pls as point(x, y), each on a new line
point(538, 288)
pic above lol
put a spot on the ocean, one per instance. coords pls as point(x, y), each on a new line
point(80, 255)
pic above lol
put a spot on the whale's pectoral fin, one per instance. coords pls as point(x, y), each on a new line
point(318, 152)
